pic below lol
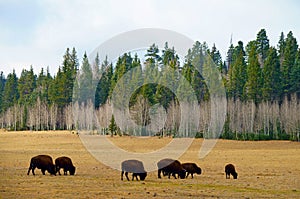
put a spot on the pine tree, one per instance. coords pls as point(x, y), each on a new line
point(263, 45)
point(253, 84)
point(10, 92)
point(112, 126)
point(152, 55)
point(26, 86)
point(237, 73)
point(281, 47)
point(295, 76)
point(290, 51)
point(2, 84)
point(272, 88)
point(86, 88)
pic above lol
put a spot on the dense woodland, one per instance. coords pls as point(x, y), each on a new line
point(262, 89)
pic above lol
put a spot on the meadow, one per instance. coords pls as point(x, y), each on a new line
point(266, 169)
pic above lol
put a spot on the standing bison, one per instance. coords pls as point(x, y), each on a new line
point(135, 167)
point(170, 166)
point(66, 164)
point(191, 168)
point(43, 162)
point(229, 169)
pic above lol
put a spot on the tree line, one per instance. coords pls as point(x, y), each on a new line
point(262, 85)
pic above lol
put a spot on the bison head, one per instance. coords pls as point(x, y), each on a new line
point(143, 175)
point(234, 175)
point(182, 174)
point(52, 170)
point(72, 170)
point(198, 170)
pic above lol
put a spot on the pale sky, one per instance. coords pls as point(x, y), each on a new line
point(37, 32)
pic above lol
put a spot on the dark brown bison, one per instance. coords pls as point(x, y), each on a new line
point(191, 168)
point(169, 166)
point(43, 162)
point(230, 169)
point(135, 167)
point(66, 164)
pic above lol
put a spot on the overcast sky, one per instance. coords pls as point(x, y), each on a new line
point(38, 32)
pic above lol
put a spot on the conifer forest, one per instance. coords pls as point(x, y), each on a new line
point(262, 84)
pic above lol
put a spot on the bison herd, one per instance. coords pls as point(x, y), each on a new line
point(45, 163)
point(166, 167)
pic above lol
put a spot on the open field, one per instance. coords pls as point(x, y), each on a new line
point(267, 169)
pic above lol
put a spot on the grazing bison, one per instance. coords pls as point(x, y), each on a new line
point(43, 162)
point(191, 168)
point(66, 164)
point(135, 167)
point(229, 169)
point(170, 166)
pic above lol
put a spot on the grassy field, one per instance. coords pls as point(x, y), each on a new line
point(267, 169)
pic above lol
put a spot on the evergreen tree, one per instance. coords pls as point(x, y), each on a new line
point(237, 73)
point(2, 84)
point(253, 84)
point(104, 86)
point(86, 88)
point(152, 55)
point(43, 84)
point(263, 45)
point(69, 70)
point(281, 47)
point(295, 76)
point(271, 77)
point(10, 92)
point(290, 51)
point(26, 86)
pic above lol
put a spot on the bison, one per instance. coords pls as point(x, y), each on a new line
point(66, 164)
point(230, 169)
point(170, 166)
point(191, 168)
point(135, 167)
point(43, 162)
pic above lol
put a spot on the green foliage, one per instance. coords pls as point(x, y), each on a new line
point(288, 62)
point(26, 86)
point(252, 90)
point(271, 77)
point(237, 73)
point(2, 84)
point(10, 92)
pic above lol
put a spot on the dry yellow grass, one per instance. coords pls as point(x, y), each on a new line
point(267, 169)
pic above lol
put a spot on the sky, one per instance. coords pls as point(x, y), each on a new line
point(37, 32)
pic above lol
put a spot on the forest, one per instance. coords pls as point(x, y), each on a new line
point(262, 84)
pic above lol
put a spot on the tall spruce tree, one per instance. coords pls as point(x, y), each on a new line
point(237, 73)
point(253, 85)
point(272, 88)
point(10, 92)
point(2, 84)
point(263, 45)
point(26, 86)
point(290, 51)
point(295, 76)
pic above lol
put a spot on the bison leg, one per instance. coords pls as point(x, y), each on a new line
point(65, 172)
point(227, 176)
point(122, 173)
point(174, 175)
point(192, 175)
point(134, 175)
point(43, 171)
point(187, 174)
point(126, 174)
point(29, 170)
point(158, 173)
